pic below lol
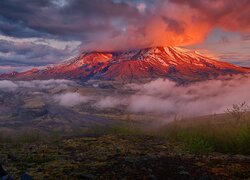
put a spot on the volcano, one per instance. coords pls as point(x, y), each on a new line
point(177, 64)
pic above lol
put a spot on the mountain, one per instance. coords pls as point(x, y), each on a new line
point(140, 65)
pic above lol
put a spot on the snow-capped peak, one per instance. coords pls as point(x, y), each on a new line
point(176, 63)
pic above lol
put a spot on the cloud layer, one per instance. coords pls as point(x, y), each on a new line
point(158, 97)
point(120, 24)
point(70, 99)
point(7, 85)
point(32, 32)
point(214, 96)
point(166, 98)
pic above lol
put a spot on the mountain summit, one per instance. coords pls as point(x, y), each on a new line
point(140, 65)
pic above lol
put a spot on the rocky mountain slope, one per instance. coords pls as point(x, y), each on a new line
point(140, 65)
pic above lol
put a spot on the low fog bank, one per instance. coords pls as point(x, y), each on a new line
point(162, 97)
point(213, 96)
point(70, 99)
point(167, 98)
point(7, 85)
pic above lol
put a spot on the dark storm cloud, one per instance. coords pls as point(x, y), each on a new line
point(17, 29)
point(174, 25)
point(114, 24)
point(64, 19)
point(229, 14)
point(15, 16)
point(29, 53)
point(87, 20)
point(246, 37)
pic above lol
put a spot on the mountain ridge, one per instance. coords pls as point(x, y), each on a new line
point(178, 64)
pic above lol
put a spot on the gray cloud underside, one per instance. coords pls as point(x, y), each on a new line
point(26, 53)
point(110, 24)
point(161, 97)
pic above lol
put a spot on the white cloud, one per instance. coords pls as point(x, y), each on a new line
point(160, 96)
point(8, 85)
point(164, 97)
point(141, 7)
point(214, 96)
point(46, 84)
point(70, 99)
point(36, 84)
point(44, 41)
point(109, 102)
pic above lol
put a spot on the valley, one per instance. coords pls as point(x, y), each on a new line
point(146, 111)
point(124, 89)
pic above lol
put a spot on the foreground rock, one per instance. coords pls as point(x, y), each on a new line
point(119, 156)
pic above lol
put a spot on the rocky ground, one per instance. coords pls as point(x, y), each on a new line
point(37, 137)
point(117, 157)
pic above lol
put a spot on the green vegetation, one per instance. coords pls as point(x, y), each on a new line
point(113, 156)
point(228, 134)
point(102, 151)
point(115, 129)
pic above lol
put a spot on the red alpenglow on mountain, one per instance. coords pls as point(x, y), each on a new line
point(180, 65)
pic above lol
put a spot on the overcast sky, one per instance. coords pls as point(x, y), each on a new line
point(40, 32)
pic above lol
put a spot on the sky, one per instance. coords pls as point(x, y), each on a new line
point(41, 32)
